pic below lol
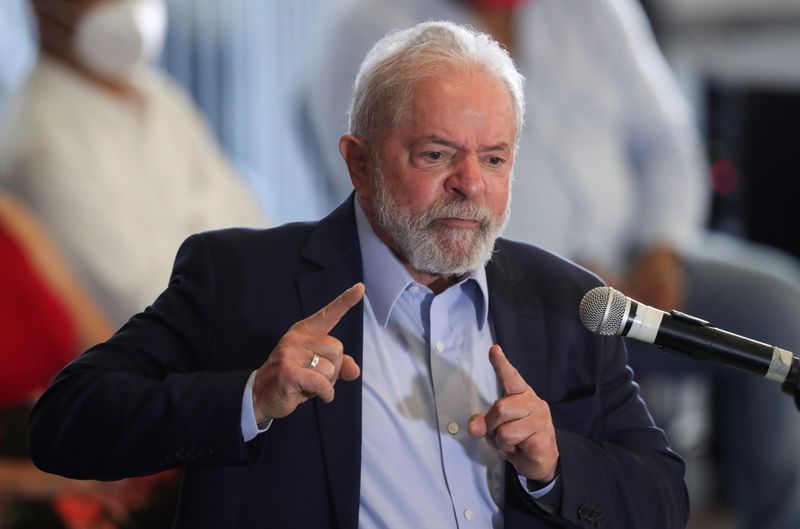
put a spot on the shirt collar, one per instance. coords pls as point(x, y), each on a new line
point(385, 277)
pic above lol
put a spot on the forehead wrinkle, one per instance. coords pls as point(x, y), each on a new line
point(439, 140)
point(445, 124)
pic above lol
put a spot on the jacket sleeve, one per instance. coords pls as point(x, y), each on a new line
point(145, 400)
point(616, 465)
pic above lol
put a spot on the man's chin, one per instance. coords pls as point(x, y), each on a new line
point(459, 262)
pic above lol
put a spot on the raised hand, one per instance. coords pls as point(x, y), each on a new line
point(518, 424)
point(307, 361)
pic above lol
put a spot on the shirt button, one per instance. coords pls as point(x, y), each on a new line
point(452, 428)
point(439, 346)
point(468, 514)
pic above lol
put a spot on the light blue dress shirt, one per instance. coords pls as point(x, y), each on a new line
point(425, 372)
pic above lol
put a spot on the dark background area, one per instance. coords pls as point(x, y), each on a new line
point(757, 130)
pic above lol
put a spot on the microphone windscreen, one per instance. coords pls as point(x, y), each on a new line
point(602, 310)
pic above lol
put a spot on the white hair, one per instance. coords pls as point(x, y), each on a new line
point(387, 76)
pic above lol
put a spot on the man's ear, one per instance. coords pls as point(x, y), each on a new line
point(357, 157)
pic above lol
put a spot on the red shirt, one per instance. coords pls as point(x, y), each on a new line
point(37, 336)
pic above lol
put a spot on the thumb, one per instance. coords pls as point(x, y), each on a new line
point(476, 427)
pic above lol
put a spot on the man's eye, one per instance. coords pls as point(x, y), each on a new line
point(434, 155)
point(495, 160)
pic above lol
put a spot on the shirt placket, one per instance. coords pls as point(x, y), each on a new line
point(448, 362)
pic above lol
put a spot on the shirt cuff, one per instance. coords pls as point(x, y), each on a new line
point(250, 428)
point(547, 498)
point(538, 493)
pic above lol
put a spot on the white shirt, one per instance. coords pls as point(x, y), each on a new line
point(119, 183)
point(609, 158)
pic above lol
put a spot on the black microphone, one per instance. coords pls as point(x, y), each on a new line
point(606, 311)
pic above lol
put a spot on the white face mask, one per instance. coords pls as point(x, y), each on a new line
point(116, 37)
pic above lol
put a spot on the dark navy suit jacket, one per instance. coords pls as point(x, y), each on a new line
point(166, 390)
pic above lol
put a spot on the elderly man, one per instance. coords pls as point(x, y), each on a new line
point(466, 391)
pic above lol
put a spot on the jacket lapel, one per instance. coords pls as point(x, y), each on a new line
point(333, 248)
point(518, 319)
point(519, 327)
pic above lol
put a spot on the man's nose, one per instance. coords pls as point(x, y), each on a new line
point(467, 178)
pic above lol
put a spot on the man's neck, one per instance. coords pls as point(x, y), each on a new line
point(436, 282)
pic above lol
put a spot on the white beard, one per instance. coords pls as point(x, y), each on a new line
point(434, 249)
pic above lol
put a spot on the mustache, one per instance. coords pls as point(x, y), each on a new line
point(460, 210)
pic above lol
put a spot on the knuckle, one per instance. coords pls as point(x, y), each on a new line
point(540, 408)
point(505, 436)
point(501, 433)
point(327, 369)
point(284, 370)
point(283, 350)
point(284, 392)
point(537, 443)
point(279, 357)
point(335, 346)
point(324, 388)
point(503, 408)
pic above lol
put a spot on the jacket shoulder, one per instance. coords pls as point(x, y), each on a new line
point(248, 252)
point(542, 265)
point(532, 272)
point(286, 235)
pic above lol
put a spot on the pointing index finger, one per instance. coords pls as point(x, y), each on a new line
point(326, 318)
point(510, 379)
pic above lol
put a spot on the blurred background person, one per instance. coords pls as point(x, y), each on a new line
point(111, 154)
point(46, 318)
point(117, 163)
point(611, 173)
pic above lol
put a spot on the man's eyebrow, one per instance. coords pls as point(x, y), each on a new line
point(502, 146)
